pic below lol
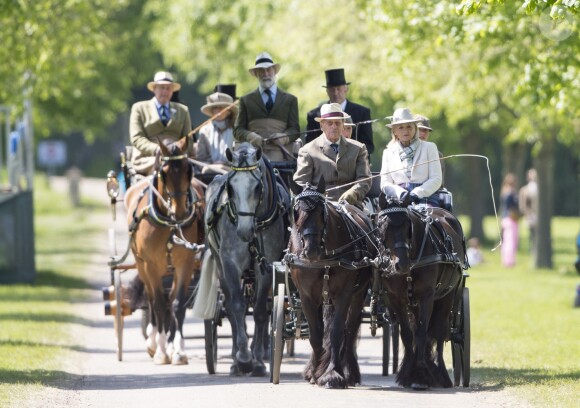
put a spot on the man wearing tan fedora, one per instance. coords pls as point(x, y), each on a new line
point(268, 116)
point(337, 90)
point(340, 161)
point(156, 118)
point(217, 135)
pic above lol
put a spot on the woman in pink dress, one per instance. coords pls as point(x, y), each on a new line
point(509, 221)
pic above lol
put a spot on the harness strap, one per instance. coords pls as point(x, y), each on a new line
point(325, 286)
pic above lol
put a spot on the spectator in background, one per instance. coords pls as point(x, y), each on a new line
point(348, 127)
point(474, 254)
point(528, 205)
point(425, 130)
point(509, 221)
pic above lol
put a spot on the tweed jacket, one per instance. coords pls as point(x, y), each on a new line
point(317, 159)
point(428, 175)
point(145, 127)
point(359, 113)
point(254, 118)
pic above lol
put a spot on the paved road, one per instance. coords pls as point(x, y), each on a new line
point(97, 379)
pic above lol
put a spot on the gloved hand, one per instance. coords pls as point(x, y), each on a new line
point(255, 139)
point(414, 198)
point(350, 196)
point(280, 138)
point(405, 199)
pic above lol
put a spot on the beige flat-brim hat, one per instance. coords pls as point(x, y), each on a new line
point(219, 100)
point(163, 77)
point(402, 115)
point(331, 111)
point(264, 60)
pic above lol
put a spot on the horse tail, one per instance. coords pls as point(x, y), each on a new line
point(134, 292)
point(205, 303)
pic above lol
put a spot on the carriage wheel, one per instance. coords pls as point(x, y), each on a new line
point(211, 348)
point(112, 243)
point(466, 354)
point(456, 358)
point(278, 333)
point(118, 314)
point(386, 347)
point(395, 336)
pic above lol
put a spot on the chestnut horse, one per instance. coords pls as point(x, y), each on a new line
point(165, 217)
point(331, 245)
point(427, 256)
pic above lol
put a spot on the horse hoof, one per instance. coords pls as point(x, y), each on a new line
point(245, 367)
point(179, 359)
point(419, 387)
point(234, 370)
point(150, 351)
point(259, 371)
point(161, 359)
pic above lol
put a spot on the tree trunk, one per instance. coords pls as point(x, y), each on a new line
point(545, 168)
point(477, 185)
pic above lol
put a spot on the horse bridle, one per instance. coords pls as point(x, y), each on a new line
point(256, 175)
point(316, 199)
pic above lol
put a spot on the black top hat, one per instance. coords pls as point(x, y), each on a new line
point(335, 77)
point(229, 89)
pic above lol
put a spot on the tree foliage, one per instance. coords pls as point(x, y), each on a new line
point(77, 60)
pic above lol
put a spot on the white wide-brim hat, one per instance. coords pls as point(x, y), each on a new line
point(264, 60)
point(402, 115)
point(220, 100)
point(348, 122)
point(331, 111)
point(163, 77)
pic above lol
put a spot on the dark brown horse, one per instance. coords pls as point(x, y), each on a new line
point(165, 217)
point(427, 255)
point(329, 255)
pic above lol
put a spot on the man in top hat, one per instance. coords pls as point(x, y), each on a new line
point(156, 118)
point(337, 90)
point(340, 161)
point(217, 135)
point(268, 116)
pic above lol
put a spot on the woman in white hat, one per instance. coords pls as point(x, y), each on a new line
point(216, 136)
point(411, 170)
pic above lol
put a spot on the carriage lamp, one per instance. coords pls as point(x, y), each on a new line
point(113, 190)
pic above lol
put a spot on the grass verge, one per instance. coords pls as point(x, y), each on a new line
point(36, 318)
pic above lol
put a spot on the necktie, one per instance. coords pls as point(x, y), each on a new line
point(164, 115)
point(334, 147)
point(270, 101)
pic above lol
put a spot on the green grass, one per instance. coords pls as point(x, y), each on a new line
point(525, 330)
point(36, 318)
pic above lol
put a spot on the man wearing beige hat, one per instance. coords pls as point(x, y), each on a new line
point(156, 118)
point(268, 116)
point(340, 161)
point(217, 135)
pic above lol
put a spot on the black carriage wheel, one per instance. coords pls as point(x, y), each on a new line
point(395, 336)
point(118, 314)
point(386, 347)
point(278, 333)
point(211, 348)
point(466, 352)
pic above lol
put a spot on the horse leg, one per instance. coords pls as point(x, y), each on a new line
point(261, 325)
point(179, 356)
point(313, 314)
point(333, 377)
point(159, 306)
point(421, 376)
point(439, 332)
point(353, 322)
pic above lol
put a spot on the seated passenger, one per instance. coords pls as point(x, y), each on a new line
point(156, 118)
point(411, 170)
point(216, 136)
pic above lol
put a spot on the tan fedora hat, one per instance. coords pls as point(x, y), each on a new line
point(218, 100)
point(331, 111)
point(423, 122)
point(163, 77)
point(264, 60)
point(402, 115)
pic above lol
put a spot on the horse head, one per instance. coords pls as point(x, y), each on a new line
point(396, 230)
point(172, 176)
point(310, 221)
point(245, 188)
